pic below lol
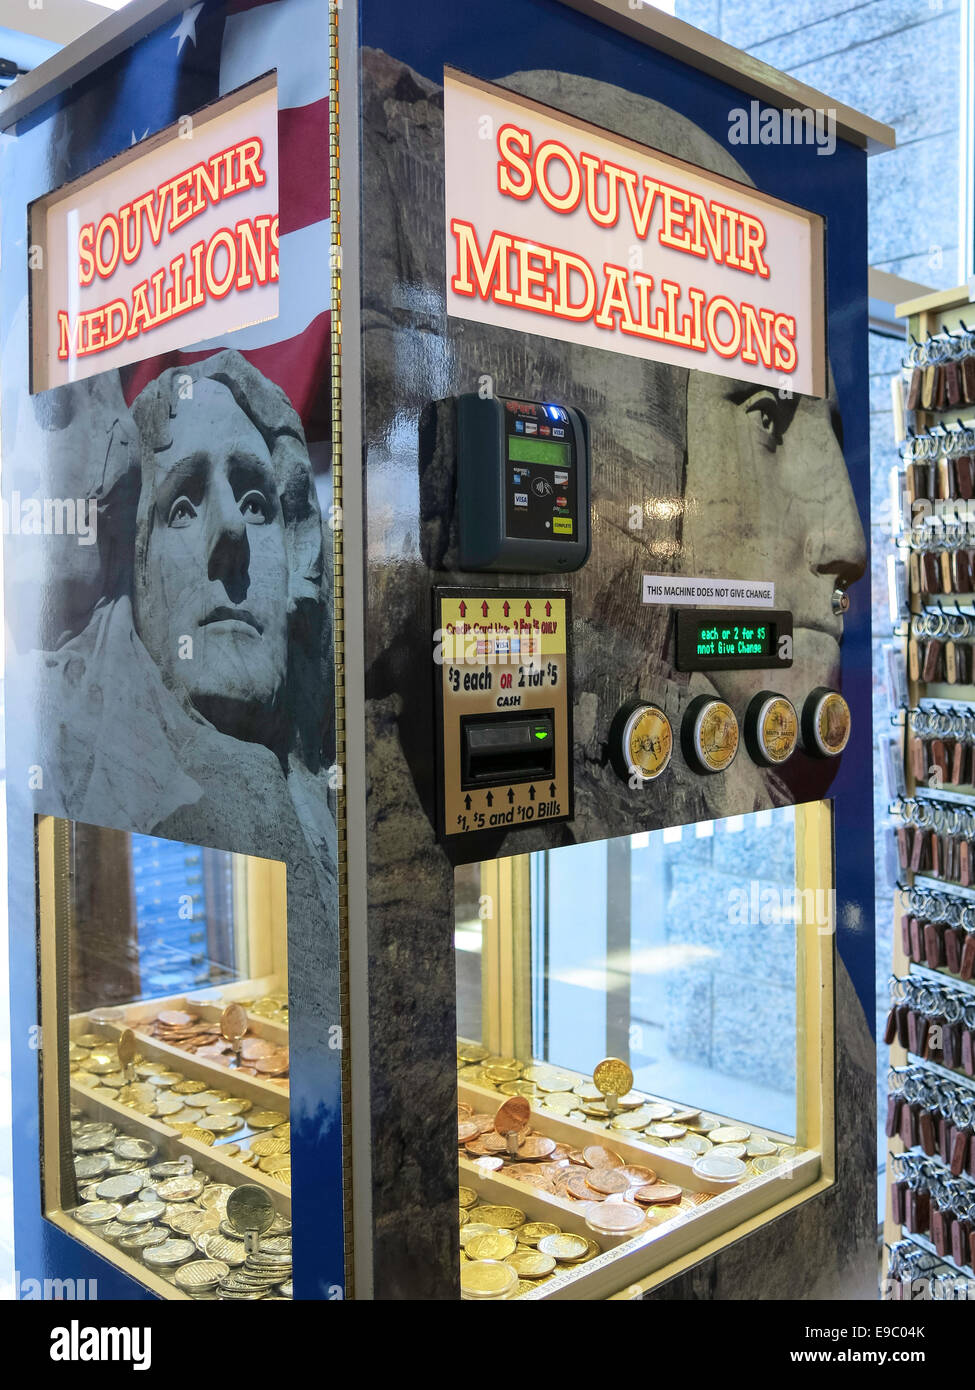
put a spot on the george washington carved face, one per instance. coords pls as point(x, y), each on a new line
point(213, 608)
point(228, 593)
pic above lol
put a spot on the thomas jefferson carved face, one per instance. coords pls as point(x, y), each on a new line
point(212, 603)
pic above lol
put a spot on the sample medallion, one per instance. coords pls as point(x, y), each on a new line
point(771, 728)
point(709, 734)
point(249, 1209)
point(825, 723)
point(612, 1077)
point(641, 742)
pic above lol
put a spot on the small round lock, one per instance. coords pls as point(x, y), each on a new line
point(709, 734)
point(825, 723)
point(641, 742)
point(771, 729)
point(840, 599)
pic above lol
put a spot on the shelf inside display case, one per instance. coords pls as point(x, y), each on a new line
point(689, 1208)
point(254, 1095)
point(166, 1116)
point(155, 1203)
point(652, 974)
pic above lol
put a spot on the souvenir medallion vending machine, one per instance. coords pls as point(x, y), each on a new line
point(604, 366)
point(438, 728)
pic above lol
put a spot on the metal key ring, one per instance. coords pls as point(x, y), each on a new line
point(953, 1009)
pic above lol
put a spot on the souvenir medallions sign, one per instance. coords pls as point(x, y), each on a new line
point(171, 243)
point(558, 228)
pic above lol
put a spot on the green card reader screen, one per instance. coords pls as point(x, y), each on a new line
point(527, 450)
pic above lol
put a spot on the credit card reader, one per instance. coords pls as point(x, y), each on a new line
point(523, 477)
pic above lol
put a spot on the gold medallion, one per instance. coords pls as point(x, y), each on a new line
point(765, 1163)
point(492, 1215)
point(831, 729)
point(487, 1279)
point(268, 1145)
point(564, 1247)
point(534, 1231)
point(709, 734)
point(771, 729)
point(498, 1244)
point(529, 1264)
point(612, 1077)
point(730, 1134)
point(266, 1119)
point(642, 741)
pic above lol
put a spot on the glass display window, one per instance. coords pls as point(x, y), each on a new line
point(165, 1092)
point(645, 1055)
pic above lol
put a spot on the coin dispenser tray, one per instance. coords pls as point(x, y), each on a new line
point(629, 1258)
point(210, 1004)
point(267, 1094)
point(171, 1144)
point(249, 1088)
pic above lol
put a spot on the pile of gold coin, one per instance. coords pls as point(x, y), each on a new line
point(659, 1123)
point(503, 1255)
point(184, 1029)
point(253, 1136)
point(172, 1217)
point(273, 1007)
point(270, 1151)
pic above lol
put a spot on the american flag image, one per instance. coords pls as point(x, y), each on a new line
point(212, 48)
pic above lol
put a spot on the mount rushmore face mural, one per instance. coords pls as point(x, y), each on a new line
point(174, 675)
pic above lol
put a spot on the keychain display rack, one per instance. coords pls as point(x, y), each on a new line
point(929, 1230)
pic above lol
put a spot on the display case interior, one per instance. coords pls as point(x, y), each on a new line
point(164, 1004)
point(645, 1051)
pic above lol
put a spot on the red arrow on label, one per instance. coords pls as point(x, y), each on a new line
point(507, 608)
point(528, 609)
point(548, 610)
point(484, 608)
point(463, 609)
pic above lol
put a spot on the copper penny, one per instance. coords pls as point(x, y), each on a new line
point(657, 1194)
point(233, 1021)
point(636, 1175)
point(615, 1218)
point(535, 1146)
point(513, 1115)
point(577, 1186)
point(274, 1064)
point(174, 1019)
point(598, 1157)
point(607, 1181)
point(465, 1131)
point(258, 1047)
point(533, 1179)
